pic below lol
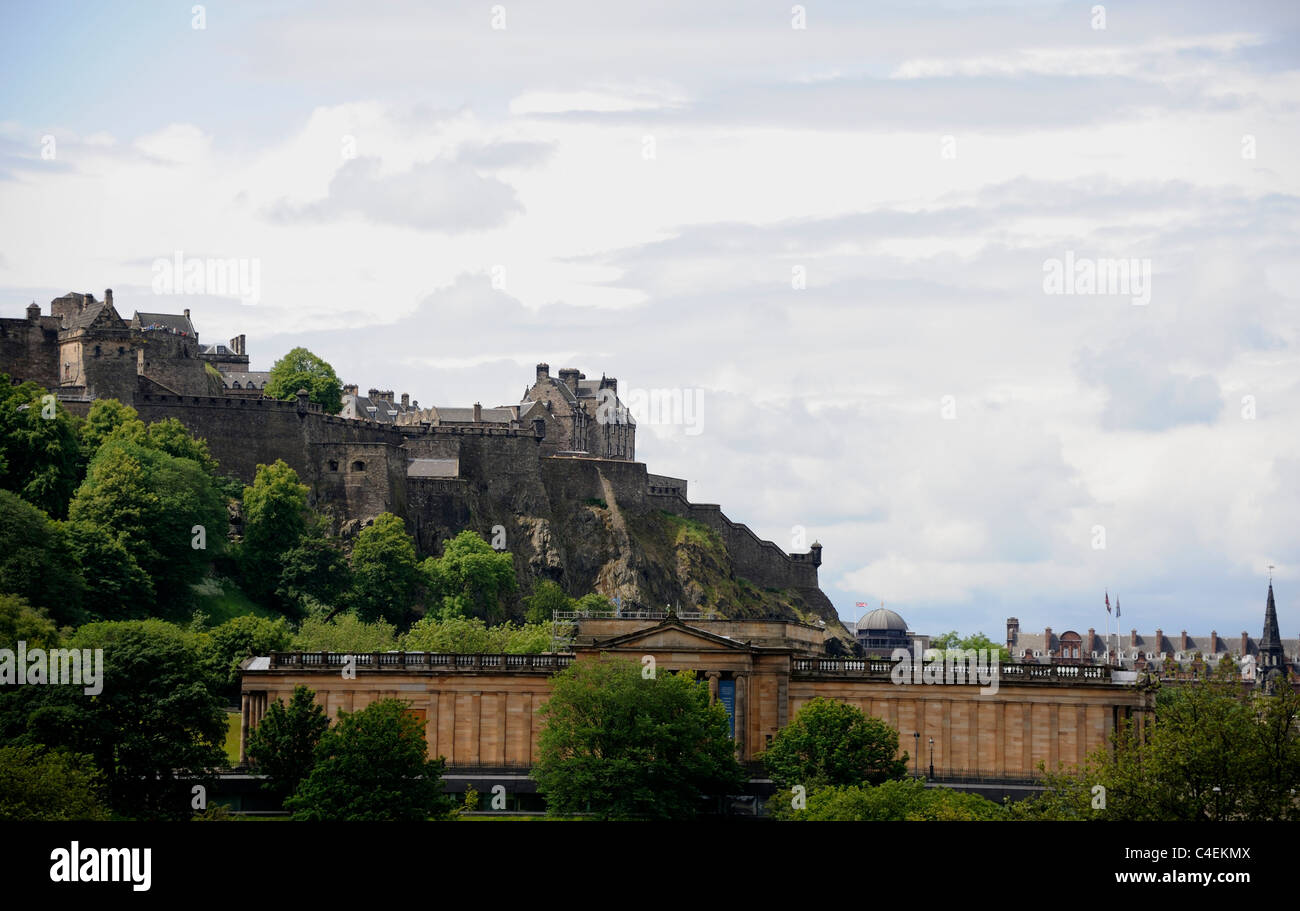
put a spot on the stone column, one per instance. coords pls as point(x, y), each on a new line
point(243, 728)
point(714, 677)
point(1053, 735)
point(742, 721)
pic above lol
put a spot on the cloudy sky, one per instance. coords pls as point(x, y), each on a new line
point(833, 226)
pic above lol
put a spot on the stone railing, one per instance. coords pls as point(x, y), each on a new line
point(630, 615)
point(382, 661)
point(882, 668)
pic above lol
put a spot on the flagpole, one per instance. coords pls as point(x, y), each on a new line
point(1108, 629)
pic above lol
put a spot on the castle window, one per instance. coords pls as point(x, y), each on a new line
point(121, 351)
point(358, 465)
point(334, 465)
point(97, 351)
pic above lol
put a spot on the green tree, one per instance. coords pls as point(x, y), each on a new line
point(897, 800)
point(373, 765)
point(154, 730)
point(833, 743)
point(471, 636)
point(226, 646)
point(315, 572)
point(300, 369)
point(470, 578)
point(623, 746)
point(1211, 752)
point(594, 602)
point(283, 746)
point(121, 590)
point(41, 785)
point(38, 447)
point(275, 518)
point(105, 418)
point(172, 437)
point(20, 622)
point(547, 596)
point(164, 510)
point(951, 641)
point(386, 576)
point(344, 633)
point(34, 560)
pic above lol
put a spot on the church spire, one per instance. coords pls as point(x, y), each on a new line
point(1271, 653)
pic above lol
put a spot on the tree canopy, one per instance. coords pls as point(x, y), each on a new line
point(1214, 751)
point(373, 765)
point(386, 576)
point(832, 743)
point(166, 511)
point(622, 745)
point(897, 800)
point(283, 746)
point(38, 447)
point(470, 578)
point(155, 728)
point(300, 369)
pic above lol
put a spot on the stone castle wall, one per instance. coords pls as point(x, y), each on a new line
point(29, 349)
point(759, 561)
point(172, 361)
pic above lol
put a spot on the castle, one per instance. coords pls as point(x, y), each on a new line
point(557, 471)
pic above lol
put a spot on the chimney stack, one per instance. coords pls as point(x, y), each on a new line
point(1245, 644)
point(1013, 631)
point(543, 371)
point(1133, 638)
point(478, 412)
point(406, 400)
point(187, 309)
point(1182, 642)
point(108, 296)
point(570, 376)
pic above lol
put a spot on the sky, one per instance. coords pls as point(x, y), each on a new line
point(857, 238)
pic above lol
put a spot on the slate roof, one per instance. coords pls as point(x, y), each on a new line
point(94, 309)
point(173, 322)
point(254, 379)
point(466, 415)
point(365, 408)
point(1146, 643)
point(433, 468)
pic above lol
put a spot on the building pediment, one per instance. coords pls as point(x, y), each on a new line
point(670, 635)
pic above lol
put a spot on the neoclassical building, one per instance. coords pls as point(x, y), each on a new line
point(480, 711)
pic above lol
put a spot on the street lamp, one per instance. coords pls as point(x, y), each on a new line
point(931, 758)
point(916, 753)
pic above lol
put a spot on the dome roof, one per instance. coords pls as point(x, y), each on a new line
point(882, 619)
